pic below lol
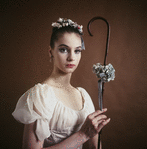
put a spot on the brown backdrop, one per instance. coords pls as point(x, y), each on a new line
point(25, 33)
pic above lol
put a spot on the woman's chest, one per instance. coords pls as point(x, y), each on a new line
point(66, 119)
point(71, 99)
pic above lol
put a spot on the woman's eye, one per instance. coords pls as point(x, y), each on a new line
point(77, 51)
point(63, 50)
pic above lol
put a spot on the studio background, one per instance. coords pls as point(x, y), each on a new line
point(25, 29)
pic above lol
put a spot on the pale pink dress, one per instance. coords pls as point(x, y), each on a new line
point(56, 122)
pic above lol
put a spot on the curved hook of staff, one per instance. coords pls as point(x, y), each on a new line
point(108, 34)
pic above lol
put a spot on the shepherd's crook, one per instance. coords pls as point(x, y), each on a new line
point(101, 82)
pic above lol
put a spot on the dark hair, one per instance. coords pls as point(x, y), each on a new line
point(56, 33)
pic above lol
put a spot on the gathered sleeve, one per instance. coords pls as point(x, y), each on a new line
point(37, 105)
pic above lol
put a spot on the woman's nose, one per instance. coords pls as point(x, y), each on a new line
point(71, 56)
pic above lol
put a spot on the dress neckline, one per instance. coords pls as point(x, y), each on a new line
point(83, 107)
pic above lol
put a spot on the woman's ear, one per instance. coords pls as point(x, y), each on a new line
point(50, 52)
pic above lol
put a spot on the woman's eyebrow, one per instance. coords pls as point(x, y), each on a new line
point(79, 47)
point(63, 45)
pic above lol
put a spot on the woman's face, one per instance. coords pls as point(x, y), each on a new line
point(67, 52)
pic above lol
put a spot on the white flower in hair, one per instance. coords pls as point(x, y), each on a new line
point(67, 22)
point(70, 21)
point(60, 19)
point(63, 24)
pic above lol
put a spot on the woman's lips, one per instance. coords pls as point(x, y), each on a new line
point(70, 65)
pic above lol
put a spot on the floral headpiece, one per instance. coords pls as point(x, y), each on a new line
point(61, 22)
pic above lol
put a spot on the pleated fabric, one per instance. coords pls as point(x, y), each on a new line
point(54, 121)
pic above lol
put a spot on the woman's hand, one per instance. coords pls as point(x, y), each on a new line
point(94, 123)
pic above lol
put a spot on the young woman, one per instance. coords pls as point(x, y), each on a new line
point(56, 114)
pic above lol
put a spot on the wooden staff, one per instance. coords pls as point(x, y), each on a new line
point(105, 59)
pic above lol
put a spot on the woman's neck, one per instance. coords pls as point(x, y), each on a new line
point(59, 79)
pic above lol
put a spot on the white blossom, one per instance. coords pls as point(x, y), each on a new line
point(67, 22)
point(106, 73)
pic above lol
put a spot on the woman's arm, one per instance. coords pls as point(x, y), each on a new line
point(92, 126)
point(92, 143)
point(30, 140)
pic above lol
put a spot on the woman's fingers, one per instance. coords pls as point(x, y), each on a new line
point(98, 119)
point(94, 123)
point(102, 124)
point(97, 123)
point(96, 113)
